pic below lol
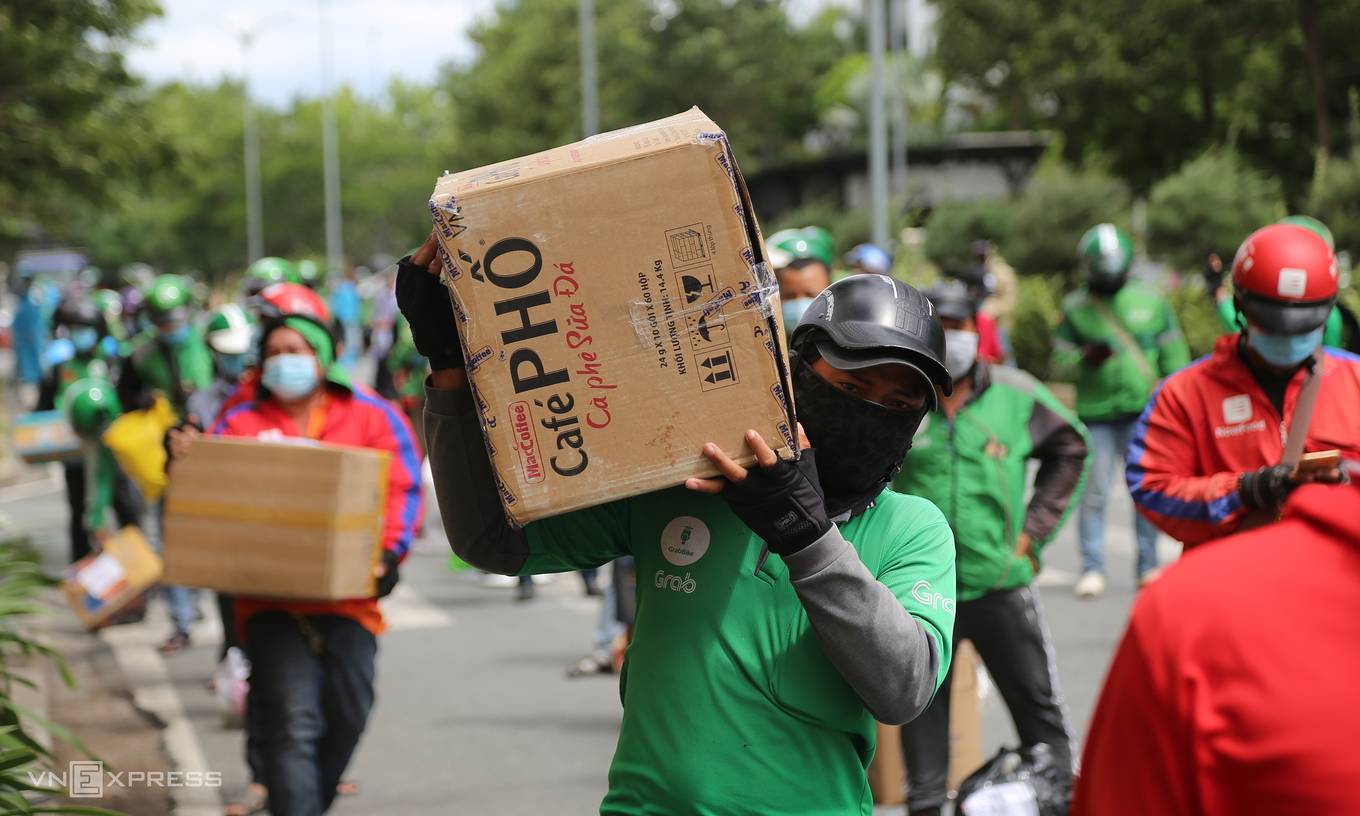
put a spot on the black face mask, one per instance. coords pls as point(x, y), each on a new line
point(860, 445)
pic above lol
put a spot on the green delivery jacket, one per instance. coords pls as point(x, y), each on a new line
point(974, 469)
point(1119, 387)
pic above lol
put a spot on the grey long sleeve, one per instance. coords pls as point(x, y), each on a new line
point(1061, 449)
point(881, 650)
point(465, 485)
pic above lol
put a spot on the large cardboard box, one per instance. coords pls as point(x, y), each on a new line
point(45, 436)
point(278, 519)
point(616, 313)
point(102, 584)
point(887, 773)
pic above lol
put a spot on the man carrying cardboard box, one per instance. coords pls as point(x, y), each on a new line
point(776, 624)
point(312, 662)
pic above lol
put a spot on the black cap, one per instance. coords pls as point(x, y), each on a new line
point(953, 299)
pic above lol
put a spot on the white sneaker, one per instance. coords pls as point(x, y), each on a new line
point(1149, 576)
point(494, 581)
point(1090, 585)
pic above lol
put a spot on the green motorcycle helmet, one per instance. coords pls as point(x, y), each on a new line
point(310, 273)
point(790, 246)
point(91, 404)
point(1310, 223)
point(268, 271)
point(1105, 255)
point(169, 299)
point(231, 330)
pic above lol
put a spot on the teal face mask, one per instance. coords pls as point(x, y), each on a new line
point(290, 376)
point(85, 338)
point(232, 366)
point(1284, 350)
point(176, 336)
point(793, 309)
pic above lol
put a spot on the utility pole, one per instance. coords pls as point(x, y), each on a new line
point(590, 90)
point(330, 145)
point(254, 214)
point(898, 20)
point(878, 128)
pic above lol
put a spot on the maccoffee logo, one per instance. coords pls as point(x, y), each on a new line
point(526, 445)
point(684, 540)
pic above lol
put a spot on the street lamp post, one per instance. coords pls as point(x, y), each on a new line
point(590, 96)
point(878, 128)
point(330, 145)
point(254, 214)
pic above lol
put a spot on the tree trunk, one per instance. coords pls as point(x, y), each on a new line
point(1312, 50)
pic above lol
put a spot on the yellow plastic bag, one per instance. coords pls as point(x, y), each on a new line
point(137, 440)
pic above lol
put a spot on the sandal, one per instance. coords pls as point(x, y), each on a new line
point(255, 801)
point(347, 787)
point(177, 642)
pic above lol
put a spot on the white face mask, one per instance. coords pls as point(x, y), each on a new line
point(960, 352)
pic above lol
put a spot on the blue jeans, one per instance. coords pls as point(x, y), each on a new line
point(1109, 441)
point(311, 690)
point(182, 601)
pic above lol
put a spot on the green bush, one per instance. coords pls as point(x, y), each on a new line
point(1198, 318)
point(1058, 206)
point(1037, 309)
point(954, 225)
point(1209, 205)
point(1335, 198)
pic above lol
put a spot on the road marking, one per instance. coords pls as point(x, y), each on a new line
point(134, 647)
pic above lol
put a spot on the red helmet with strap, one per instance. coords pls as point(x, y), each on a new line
point(282, 300)
point(1285, 279)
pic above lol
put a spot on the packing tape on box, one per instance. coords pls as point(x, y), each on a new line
point(286, 517)
point(654, 318)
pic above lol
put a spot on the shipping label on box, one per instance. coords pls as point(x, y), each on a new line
point(616, 313)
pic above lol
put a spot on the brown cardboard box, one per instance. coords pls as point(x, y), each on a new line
point(887, 773)
point(616, 313)
point(103, 583)
point(45, 436)
point(285, 520)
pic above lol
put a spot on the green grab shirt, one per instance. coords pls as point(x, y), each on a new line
point(730, 703)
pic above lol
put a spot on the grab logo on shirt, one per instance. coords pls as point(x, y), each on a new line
point(684, 540)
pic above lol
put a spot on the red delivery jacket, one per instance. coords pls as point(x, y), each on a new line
point(1233, 690)
point(356, 417)
point(1210, 422)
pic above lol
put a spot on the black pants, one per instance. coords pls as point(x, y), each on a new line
point(126, 507)
point(1008, 630)
point(311, 690)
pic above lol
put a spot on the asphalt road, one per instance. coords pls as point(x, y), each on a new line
point(474, 714)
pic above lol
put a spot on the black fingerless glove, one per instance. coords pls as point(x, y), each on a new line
point(388, 580)
point(783, 504)
point(1266, 489)
point(424, 302)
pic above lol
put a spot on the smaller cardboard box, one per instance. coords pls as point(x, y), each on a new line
point(103, 583)
point(45, 436)
point(887, 772)
point(278, 519)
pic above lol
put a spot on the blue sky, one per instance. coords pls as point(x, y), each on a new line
point(374, 40)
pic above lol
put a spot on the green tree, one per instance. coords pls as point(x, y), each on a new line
point(744, 63)
point(1335, 198)
point(1209, 205)
point(1059, 205)
point(955, 225)
point(69, 114)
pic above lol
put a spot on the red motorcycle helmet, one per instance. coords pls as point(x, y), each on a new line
point(1285, 279)
point(282, 300)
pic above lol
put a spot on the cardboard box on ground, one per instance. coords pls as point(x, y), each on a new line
point(290, 519)
point(104, 583)
point(887, 773)
point(616, 313)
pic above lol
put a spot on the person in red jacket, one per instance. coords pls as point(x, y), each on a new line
point(1233, 690)
point(1206, 451)
point(312, 662)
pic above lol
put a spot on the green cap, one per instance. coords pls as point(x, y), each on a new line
point(274, 270)
point(91, 404)
point(310, 273)
point(1105, 254)
point(791, 245)
point(168, 293)
point(230, 330)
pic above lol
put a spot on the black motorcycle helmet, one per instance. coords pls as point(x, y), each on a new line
point(79, 311)
point(868, 320)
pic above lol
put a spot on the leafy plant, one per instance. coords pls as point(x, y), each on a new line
point(1037, 309)
point(955, 225)
point(1209, 205)
point(21, 756)
point(1059, 205)
point(1335, 198)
